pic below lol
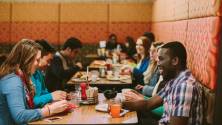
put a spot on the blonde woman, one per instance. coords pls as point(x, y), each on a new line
point(16, 89)
point(151, 75)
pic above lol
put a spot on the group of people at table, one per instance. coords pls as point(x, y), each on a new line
point(33, 77)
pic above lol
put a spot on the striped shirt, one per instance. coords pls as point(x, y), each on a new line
point(182, 96)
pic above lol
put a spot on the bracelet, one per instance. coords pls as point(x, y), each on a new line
point(48, 109)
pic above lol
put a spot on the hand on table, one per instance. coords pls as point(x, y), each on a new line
point(57, 107)
point(59, 95)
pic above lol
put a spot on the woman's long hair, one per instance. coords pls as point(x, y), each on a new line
point(21, 56)
point(152, 66)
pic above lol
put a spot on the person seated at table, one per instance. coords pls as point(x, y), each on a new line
point(16, 88)
point(112, 42)
point(42, 96)
point(62, 68)
point(142, 48)
point(181, 96)
point(151, 75)
point(129, 48)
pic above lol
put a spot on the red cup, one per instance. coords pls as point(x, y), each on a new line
point(109, 66)
point(83, 91)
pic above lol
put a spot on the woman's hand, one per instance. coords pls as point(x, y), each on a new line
point(57, 107)
point(59, 95)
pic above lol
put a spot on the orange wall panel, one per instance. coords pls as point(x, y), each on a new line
point(204, 8)
point(130, 12)
point(201, 38)
point(4, 12)
point(95, 32)
point(169, 10)
point(133, 29)
point(4, 32)
point(203, 35)
point(35, 12)
point(163, 10)
point(87, 32)
point(35, 30)
point(163, 31)
point(90, 22)
point(179, 30)
point(82, 12)
point(182, 12)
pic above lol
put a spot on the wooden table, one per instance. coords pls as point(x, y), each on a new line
point(86, 114)
point(101, 81)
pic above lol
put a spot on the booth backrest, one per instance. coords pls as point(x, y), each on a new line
point(197, 24)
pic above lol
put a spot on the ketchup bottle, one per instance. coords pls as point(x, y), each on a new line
point(83, 91)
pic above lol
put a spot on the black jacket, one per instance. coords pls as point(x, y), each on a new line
point(57, 76)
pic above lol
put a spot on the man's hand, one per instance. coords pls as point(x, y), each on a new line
point(59, 95)
point(79, 64)
point(142, 105)
point(139, 87)
point(133, 96)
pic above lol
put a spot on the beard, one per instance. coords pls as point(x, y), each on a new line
point(170, 74)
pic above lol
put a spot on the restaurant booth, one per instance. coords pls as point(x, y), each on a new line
point(195, 23)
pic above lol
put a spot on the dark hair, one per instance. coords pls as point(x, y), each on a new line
point(131, 49)
point(112, 35)
point(72, 43)
point(177, 49)
point(2, 58)
point(150, 36)
point(131, 41)
point(46, 47)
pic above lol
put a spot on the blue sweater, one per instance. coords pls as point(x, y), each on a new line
point(138, 71)
point(42, 96)
point(13, 106)
point(148, 89)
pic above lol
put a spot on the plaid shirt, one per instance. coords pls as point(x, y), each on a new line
point(182, 97)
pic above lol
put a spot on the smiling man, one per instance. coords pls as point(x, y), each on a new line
point(181, 96)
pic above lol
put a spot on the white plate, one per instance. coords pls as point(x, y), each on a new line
point(102, 107)
point(112, 78)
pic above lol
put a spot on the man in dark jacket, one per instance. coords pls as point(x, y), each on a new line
point(62, 68)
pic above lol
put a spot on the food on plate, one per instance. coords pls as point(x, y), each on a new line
point(111, 77)
point(98, 62)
